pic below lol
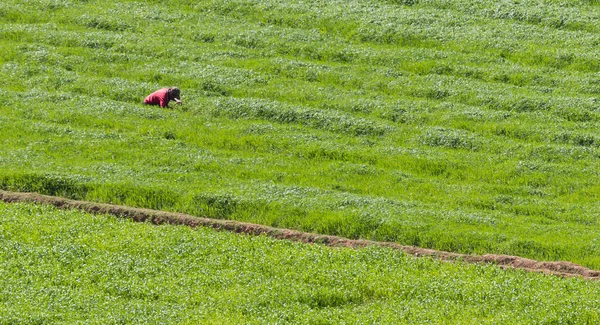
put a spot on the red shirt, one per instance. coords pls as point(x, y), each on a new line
point(159, 97)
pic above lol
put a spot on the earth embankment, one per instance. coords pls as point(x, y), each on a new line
point(565, 269)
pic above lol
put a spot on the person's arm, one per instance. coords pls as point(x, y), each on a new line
point(164, 101)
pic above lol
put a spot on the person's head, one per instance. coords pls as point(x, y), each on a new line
point(174, 94)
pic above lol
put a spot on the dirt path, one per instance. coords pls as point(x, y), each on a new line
point(566, 269)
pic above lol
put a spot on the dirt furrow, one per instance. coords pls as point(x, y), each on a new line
point(565, 269)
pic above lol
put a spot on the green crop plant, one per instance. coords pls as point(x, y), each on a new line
point(71, 267)
point(467, 126)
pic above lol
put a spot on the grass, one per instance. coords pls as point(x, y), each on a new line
point(71, 267)
point(462, 126)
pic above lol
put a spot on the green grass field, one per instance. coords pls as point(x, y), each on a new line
point(67, 267)
point(465, 126)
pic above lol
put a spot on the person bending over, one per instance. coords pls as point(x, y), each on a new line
point(163, 96)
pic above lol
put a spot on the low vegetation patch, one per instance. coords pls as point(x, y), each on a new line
point(66, 266)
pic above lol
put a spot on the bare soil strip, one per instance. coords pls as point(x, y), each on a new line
point(565, 269)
